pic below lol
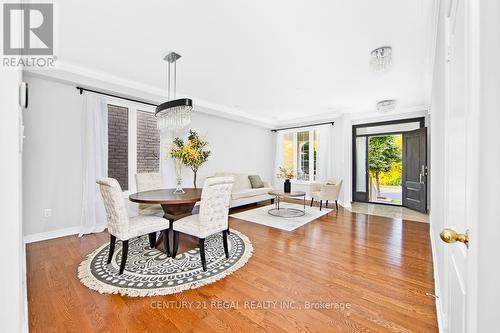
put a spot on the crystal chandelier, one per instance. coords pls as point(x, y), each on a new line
point(386, 105)
point(174, 114)
point(381, 58)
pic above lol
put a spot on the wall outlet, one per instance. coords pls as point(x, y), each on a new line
point(47, 212)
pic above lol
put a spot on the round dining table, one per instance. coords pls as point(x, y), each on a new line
point(175, 206)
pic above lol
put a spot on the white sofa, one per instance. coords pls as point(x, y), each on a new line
point(243, 193)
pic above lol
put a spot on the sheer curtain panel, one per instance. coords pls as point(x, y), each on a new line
point(95, 162)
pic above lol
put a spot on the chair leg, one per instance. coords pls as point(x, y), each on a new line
point(124, 256)
point(152, 239)
point(166, 242)
point(272, 201)
point(202, 253)
point(320, 204)
point(312, 201)
point(112, 242)
point(176, 244)
point(326, 205)
point(336, 205)
point(224, 241)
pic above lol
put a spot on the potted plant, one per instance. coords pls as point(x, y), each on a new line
point(192, 154)
point(286, 175)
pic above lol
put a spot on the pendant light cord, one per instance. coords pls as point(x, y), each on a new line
point(168, 84)
point(175, 79)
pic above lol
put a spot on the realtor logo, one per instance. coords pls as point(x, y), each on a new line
point(28, 29)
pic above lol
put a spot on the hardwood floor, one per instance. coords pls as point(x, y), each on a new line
point(373, 272)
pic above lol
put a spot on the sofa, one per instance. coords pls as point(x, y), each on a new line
point(243, 193)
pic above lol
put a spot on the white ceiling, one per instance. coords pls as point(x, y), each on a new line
point(274, 60)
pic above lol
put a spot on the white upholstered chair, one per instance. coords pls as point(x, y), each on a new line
point(212, 218)
point(149, 181)
point(123, 228)
point(328, 191)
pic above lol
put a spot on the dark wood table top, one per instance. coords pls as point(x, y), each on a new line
point(167, 196)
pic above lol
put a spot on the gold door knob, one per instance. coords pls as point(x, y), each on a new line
point(451, 236)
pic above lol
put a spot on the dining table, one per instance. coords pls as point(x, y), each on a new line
point(175, 206)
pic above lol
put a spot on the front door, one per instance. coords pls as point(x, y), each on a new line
point(414, 176)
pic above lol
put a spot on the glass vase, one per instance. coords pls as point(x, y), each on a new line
point(178, 176)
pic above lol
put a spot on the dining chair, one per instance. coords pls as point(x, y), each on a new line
point(212, 217)
point(329, 192)
point(148, 181)
point(123, 228)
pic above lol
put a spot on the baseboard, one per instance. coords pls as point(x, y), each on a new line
point(345, 204)
point(51, 234)
point(437, 289)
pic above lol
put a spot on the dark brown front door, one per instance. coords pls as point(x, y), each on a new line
point(415, 169)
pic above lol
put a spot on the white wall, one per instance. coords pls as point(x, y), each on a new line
point(52, 169)
point(13, 282)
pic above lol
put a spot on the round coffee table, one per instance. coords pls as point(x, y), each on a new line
point(287, 211)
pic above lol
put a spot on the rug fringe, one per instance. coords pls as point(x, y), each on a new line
point(86, 277)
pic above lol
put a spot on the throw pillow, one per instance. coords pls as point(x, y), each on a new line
point(256, 181)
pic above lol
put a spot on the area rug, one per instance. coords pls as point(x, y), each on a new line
point(149, 272)
point(261, 216)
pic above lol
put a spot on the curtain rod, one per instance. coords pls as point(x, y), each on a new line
point(116, 96)
point(311, 125)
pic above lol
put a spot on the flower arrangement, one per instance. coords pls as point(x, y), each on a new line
point(285, 173)
point(192, 153)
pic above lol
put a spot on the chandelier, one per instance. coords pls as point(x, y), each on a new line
point(174, 114)
point(386, 105)
point(381, 58)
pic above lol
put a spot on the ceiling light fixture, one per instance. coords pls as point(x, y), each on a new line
point(386, 105)
point(381, 58)
point(174, 114)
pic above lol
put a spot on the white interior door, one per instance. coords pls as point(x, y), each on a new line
point(459, 177)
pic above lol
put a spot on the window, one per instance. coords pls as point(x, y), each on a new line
point(300, 153)
point(133, 143)
point(118, 144)
point(148, 143)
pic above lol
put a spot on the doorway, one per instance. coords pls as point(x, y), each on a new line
point(385, 169)
point(390, 163)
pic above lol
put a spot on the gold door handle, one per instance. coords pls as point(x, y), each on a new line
point(451, 236)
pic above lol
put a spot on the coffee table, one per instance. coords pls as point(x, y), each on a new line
point(287, 211)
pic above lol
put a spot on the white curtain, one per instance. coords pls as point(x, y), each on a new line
point(278, 159)
point(95, 162)
point(324, 164)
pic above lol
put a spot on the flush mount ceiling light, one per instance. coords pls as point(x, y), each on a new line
point(386, 105)
point(174, 114)
point(381, 58)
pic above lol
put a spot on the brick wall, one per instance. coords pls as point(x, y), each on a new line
point(148, 143)
point(118, 144)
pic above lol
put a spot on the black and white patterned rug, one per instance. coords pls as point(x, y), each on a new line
point(149, 272)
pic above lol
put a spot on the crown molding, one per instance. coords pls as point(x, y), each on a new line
point(72, 74)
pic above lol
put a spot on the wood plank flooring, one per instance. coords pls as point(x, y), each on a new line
point(344, 272)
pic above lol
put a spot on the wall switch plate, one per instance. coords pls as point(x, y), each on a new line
point(47, 212)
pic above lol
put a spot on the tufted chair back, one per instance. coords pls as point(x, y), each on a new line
point(214, 205)
point(148, 181)
point(116, 210)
